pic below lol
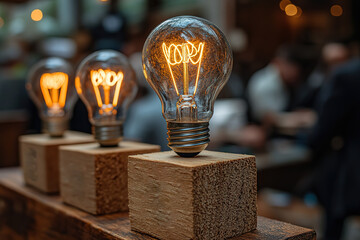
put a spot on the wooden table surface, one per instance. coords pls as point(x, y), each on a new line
point(26, 213)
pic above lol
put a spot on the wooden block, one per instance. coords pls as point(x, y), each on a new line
point(39, 157)
point(211, 196)
point(94, 178)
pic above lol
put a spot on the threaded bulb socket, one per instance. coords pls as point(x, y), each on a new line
point(55, 127)
point(108, 136)
point(188, 139)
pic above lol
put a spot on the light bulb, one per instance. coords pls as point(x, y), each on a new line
point(187, 61)
point(51, 86)
point(105, 82)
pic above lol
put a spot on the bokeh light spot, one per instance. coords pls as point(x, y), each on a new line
point(299, 12)
point(336, 10)
point(291, 10)
point(283, 4)
point(36, 15)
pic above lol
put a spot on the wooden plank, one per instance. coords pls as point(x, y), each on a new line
point(273, 229)
point(25, 213)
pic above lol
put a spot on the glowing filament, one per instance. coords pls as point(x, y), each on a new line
point(54, 87)
point(184, 53)
point(107, 79)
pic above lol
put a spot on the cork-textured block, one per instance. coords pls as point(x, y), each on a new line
point(211, 196)
point(39, 156)
point(95, 178)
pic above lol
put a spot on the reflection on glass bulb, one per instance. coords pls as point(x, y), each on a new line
point(106, 83)
point(187, 61)
point(51, 87)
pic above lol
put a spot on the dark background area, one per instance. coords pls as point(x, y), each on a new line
point(31, 30)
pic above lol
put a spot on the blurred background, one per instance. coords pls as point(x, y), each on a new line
point(287, 57)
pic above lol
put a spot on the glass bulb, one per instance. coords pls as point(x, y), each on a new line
point(51, 87)
point(105, 82)
point(187, 61)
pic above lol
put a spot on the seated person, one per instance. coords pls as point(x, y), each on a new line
point(272, 90)
point(337, 181)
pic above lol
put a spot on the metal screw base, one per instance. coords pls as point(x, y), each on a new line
point(188, 139)
point(108, 136)
point(55, 127)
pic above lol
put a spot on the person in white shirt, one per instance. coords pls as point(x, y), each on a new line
point(269, 89)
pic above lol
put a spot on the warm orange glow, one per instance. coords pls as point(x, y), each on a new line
point(299, 12)
point(54, 87)
point(78, 85)
point(1, 22)
point(36, 15)
point(283, 4)
point(184, 53)
point(291, 10)
point(336, 10)
point(106, 79)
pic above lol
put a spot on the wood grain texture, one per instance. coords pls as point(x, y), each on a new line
point(211, 196)
point(40, 158)
point(27, 214)
point(94, 178)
